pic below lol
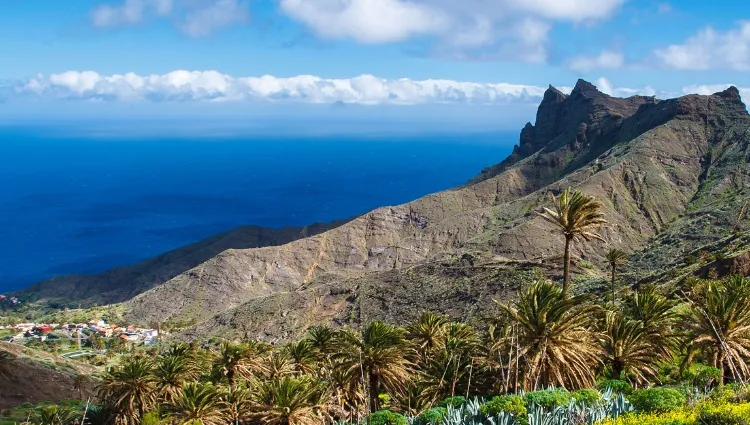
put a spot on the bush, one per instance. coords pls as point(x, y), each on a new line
point(720, 417)
point(548, 398)
point(432, 416)
point(512, 404)
point(707, 376)
point(456, 401)
point(657, 399)
point(587, 397)
point(617, 385)
point(386, 417)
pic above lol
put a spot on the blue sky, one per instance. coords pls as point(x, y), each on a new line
point(496, 52)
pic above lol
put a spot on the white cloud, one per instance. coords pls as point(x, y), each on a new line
point(207, 19)
point(706, 89)
point(569, 10)
point(504, 29)
point(367, 21)
point(607, 59)
point(130, 12)
point(196, 18)
point(710, 49)
point(213, 86)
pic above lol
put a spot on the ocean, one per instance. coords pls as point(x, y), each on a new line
point(84, 204)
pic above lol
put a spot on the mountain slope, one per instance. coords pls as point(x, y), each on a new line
point(123, 283)
point(645, 159)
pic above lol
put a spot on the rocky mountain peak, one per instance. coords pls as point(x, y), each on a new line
point(585, 89)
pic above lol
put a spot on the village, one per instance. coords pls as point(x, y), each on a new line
point(96, 329)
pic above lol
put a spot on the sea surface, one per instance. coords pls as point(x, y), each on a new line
point(84, 204)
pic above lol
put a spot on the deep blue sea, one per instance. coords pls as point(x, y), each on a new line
point(85, 204)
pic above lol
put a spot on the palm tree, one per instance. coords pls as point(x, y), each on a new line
point(657, 313)
point(171, 371)
point(277, 366)
point(290, 401)
point(554, 337)
point(129, 389)
point(198, 403)
point(578, 216)
point(427, 333)
point(303, 356)
point(374, 359)
point(719, 326)
point(629, 348)
point(239, 360)
point(80, 383)
point(615, 258)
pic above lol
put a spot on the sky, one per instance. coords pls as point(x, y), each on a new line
point(455, 58)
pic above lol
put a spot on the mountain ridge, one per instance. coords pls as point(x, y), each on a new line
point(647, 160)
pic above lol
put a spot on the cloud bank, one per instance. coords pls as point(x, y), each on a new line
point(212, 86)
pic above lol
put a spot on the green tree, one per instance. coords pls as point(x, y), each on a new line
point(290, 401)
point(129, 389)
point(629, 349)
point(198, 403)
point(615, 258)
point(374, 359)
point(239, 360)
point(171, 371)
point(577, 216)
point(554, 337)
point(718, 325)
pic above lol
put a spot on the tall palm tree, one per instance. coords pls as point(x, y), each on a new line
point(129, 389)
point(198, 403)
point(555, 337)
point(615, 258)
point(171, 371)
point(719, 326)
point(290, 401)
point(375, 359)
point(238, 360)
point(577, 216)
point(629, 348)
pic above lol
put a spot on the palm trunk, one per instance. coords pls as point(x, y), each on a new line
point(566, 268)
point(374, 400)
point(614, 268)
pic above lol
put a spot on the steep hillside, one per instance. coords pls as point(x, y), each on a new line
point(125, 282)
point(651, 162)
point(33, 376)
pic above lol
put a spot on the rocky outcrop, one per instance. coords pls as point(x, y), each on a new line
point(586, 116)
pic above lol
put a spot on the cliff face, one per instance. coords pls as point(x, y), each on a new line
point(656, 165)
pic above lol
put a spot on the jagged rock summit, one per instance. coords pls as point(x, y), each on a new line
point(658, 166)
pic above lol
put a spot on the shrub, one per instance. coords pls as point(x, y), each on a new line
point(432, 416)
point(720, 417)
point(386, 417)
point(548, 398)
point(513, 404)
point(587, 397)
point(456, 401)
point(617, 386)
point(657, 399)
point(675, 417)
